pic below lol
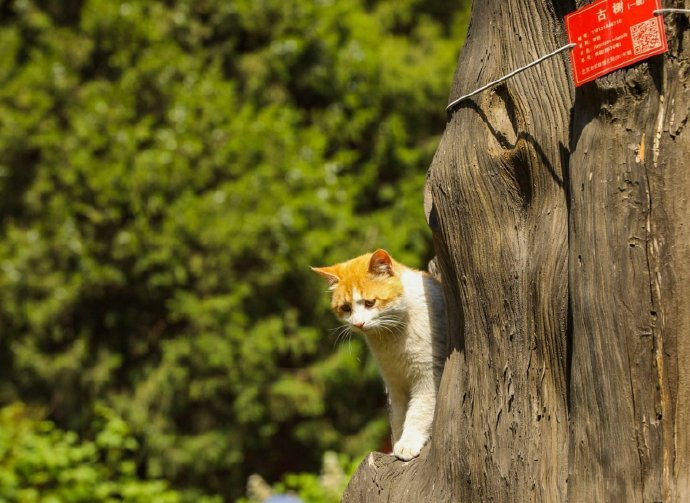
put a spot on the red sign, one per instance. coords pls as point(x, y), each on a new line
point(611, 34)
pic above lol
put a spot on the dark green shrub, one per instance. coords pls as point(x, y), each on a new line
point(170, 170)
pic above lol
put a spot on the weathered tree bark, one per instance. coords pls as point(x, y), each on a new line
point(629, 265)
point(561, 221)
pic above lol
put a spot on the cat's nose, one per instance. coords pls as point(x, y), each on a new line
point(359, 324)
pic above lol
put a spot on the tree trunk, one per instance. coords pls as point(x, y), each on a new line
point(560, 221)
point(629, 265)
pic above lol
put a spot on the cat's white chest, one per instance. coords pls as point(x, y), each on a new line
point(406, 353)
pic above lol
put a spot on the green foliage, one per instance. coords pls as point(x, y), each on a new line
point(170, 170)
point(41, 463)
point(326, 487)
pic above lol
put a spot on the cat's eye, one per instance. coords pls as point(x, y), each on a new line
point(369, 303)
point(345, 308)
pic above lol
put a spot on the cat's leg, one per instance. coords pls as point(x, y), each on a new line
point(397, 407)
point(418, 421)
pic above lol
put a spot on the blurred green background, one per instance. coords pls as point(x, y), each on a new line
point(169, 170)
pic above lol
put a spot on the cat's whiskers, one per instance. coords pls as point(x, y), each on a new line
point(390, 323)
point(346, 334)
point(342, 332)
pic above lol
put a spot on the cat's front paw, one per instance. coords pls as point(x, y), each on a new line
point(409, 447)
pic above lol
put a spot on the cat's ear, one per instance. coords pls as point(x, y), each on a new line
point(381, 263)
point(328, 274)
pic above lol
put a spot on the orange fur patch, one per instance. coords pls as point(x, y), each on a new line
point(354, 275)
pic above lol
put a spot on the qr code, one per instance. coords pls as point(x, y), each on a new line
point(646, 36)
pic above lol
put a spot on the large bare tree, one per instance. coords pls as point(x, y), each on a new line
point(561, 221)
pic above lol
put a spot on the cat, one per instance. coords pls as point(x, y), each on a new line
point(401, 313)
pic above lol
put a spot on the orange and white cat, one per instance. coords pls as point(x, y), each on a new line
point(401, 313)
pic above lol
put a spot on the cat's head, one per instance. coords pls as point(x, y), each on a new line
point(367, 291)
